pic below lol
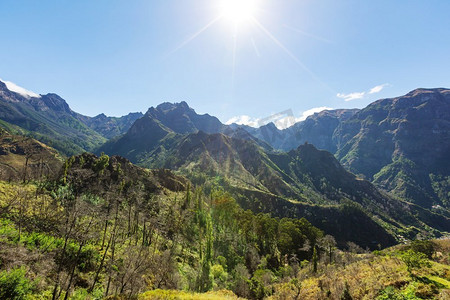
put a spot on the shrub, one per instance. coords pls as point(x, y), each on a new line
point(425, 247)
point(101, 163)
point(414, 260)
point(14, 284)
point(389, 293)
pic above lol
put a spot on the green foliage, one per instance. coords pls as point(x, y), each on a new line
point(14, 284)
point(390, 293)
point(101, 163)
point(315, 259)
point(441, 186)
point(126, 229)
point(290, 237)
point(58, 129)
point(414, 260)
point(82, 294)
point(409, 293)
point(34, 240)
point(261, 283)
point(67, 165)
point(219, 274)
point(425, 247)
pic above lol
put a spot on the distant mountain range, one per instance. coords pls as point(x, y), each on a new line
point(304, 182)
point(49, 119)
point(399, 145)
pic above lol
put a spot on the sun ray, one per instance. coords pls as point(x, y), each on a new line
point(319, 38)
point(192, 37)
point(234, 55)
point(290, 54)
point(255, 48)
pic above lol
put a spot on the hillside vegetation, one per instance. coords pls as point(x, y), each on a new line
point(106, 227)
point(23, 158)
point(195, 209)
point(304, 182)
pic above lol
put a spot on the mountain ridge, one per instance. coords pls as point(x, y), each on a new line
point(173, 135)
point(49, 119)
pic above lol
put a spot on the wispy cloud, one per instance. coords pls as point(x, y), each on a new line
point(243, 120)
point(351, 96)
point(360, 95)
point(19, 90)
point(378, 88)
point(281, 120)
point(311, 111)
point(285, 122)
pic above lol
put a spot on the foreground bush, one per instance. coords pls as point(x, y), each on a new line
point(14, 284)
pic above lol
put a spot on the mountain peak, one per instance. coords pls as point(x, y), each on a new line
point(181, 118)
point(168, 106)
point(428, 91)
point(426, 94)
point(12, 87)
point(270, 126)
point(101, 116)
point(53, 102)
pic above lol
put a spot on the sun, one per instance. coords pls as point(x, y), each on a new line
point(238, 11)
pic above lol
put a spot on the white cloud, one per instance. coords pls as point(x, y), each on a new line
point(243, 120)
point(280, 123)
point(19, 90)
point(312, 111)
point(378, 88)
point(351, 96)
point(360, 95)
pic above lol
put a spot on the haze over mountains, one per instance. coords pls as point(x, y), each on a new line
point(398, 148)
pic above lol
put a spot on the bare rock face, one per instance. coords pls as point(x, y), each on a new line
point(180, 118)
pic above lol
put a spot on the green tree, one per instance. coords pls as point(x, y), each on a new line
point(315, 259)
point(414, 260)
point(328, 243)
point(425, 247)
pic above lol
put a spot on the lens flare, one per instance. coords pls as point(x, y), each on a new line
point(238, 11)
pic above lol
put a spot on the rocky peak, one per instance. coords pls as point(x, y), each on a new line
point(180, 118)
point(101, 116)
point(51, 102)
point(8, 95)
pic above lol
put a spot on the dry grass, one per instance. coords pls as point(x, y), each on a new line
point(182, 295)
point(368, 277)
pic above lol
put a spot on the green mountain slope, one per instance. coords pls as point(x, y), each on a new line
point(403, 145)
point(400, 144)
point(304, 182)
point(48, 119)
point(110, 127)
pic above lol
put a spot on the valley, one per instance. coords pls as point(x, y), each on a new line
point(168, 201)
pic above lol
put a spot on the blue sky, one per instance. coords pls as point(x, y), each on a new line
point(122, 56)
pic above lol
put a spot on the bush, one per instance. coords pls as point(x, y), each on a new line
point(101, 163)
point(14, 284)
point(414, 260)
point(425, 247)
point(390, 293)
